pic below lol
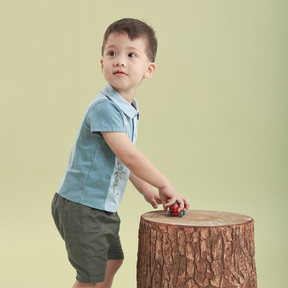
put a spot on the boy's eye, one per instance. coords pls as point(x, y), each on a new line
point(131, 55)
point(111, 53)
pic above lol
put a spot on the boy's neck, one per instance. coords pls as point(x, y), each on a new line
point(127, 95)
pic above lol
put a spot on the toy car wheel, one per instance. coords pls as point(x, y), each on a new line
point(181, 214)
point(184, 212)
point(169, 213)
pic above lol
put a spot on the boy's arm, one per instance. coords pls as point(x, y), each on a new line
point(140, 165)
point(150, 195)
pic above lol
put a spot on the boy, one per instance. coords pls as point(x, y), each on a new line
point(104, 157)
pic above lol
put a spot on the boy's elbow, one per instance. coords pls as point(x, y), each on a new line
point(130, 160)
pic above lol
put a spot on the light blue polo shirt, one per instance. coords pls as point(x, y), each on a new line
point(95, 176)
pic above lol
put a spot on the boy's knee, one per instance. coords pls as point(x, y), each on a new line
point(113, 265)
point(78, 284)
point(117, 263)
point(120, 262)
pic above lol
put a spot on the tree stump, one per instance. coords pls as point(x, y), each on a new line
point(201, 249)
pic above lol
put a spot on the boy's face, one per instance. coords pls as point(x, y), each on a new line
point(125, 64)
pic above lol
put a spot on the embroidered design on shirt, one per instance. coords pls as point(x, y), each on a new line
point(118, 175)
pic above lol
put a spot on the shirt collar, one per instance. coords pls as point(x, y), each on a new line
point(125, 106)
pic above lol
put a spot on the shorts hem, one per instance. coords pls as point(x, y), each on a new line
point(115, 256)
point(91, 279)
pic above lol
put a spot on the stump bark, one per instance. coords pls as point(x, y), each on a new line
point(201, 249)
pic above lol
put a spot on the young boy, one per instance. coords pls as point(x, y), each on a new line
point(104, 157)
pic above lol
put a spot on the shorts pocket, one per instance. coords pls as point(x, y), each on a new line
point(95, 223)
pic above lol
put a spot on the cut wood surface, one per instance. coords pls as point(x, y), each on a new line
point(201, 249)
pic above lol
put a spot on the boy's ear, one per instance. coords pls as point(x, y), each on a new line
point(150, 71)
point(101, 62)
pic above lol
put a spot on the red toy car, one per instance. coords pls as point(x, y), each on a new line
point(173, 210)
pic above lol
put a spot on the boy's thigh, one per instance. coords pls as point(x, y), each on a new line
point(115, 251)
point(90, 235)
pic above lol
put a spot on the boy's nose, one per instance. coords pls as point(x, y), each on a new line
point(120, 62)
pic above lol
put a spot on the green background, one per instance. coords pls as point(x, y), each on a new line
point(213, 119)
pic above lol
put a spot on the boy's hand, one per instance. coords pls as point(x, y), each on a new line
point(152, 197)
point(169, 196)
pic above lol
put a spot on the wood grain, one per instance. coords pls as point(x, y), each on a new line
point(201, 249)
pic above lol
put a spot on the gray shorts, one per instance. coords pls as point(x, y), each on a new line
point(91, 237)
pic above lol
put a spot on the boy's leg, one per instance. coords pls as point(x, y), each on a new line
point(112, 268)
point(78, 284)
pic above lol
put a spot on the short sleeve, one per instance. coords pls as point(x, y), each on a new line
point(105, 116)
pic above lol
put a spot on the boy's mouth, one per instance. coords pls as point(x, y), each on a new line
point(119, 73)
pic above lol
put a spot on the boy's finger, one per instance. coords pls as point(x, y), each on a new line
point(159, 201)
point(187, 204)
point(181, 202)
point(169, 203)
point(165, 206)
point(153, 203)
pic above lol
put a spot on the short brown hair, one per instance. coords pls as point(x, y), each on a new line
point(135, 29)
